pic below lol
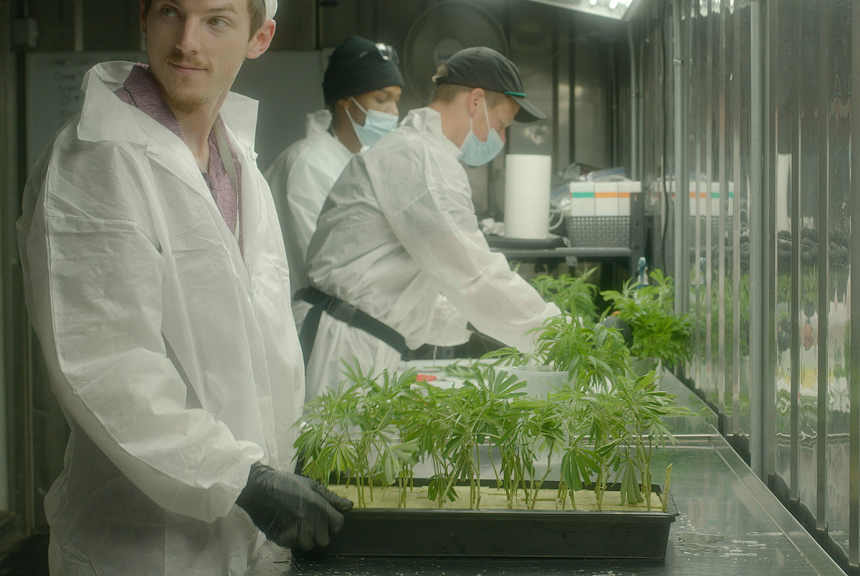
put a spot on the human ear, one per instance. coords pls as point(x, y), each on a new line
point(475, 97)
point(261, 40)
point(143, 16)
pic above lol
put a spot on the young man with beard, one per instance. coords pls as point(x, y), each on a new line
point(157, 283)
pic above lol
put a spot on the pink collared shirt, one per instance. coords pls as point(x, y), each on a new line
point(141, 91)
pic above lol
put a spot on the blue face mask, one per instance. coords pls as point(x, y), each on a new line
point(376, 124)
point(476, 153)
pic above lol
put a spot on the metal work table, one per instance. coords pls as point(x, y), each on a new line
point(555, 248)
point(729, 523)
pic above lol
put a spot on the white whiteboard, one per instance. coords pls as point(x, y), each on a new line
point(288, 85)
point(54, 91)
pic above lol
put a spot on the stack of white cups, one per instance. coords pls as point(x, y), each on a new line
point(527, 189)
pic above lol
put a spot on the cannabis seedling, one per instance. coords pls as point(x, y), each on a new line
point(476, 411)
point(593, 355)
point(657, 331)
point(572, 294)
point(341, 430)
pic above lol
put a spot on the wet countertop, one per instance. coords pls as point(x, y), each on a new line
point(729, 523)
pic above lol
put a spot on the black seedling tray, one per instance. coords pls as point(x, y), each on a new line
point(504, 533)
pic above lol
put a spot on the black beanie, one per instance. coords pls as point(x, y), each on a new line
point(356, 67)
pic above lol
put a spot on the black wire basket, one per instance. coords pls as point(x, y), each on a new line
point(598, 230)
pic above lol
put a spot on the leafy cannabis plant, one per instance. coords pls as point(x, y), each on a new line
point(373, 429)
point(657, 331)
point(644, 408)
point(572, 294)
point(477, 409)
point(354, 422)
point(593, 355)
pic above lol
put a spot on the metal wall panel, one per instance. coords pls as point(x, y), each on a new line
point(808, 118)
point(8, 247)
point(786, 170)
point(712, 218)
point(696, 69)
point(742, 82)
point(836, 88)
point(592, 93)
point(768, 245)
point(721, 118)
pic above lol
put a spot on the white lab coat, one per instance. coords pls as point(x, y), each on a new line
point(398, 229)
point(301, 178)
point(175, 361)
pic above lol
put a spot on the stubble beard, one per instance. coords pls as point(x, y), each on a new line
point(185, 103)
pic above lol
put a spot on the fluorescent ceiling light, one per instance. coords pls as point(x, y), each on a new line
point(615, 9)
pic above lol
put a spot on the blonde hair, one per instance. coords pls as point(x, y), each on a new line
point(446, 93)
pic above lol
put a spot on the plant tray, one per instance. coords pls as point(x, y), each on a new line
point(504, 533)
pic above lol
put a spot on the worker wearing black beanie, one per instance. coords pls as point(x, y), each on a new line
point(361, 88)
point(358, 66)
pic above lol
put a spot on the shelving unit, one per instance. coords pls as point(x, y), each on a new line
point(528, 252)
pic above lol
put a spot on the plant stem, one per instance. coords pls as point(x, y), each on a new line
point(495, 470)
point(600, 486)
point(478, 473)
point(542, 480)
point(666, 493)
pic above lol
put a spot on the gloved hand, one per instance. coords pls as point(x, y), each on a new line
point(291, 509)
point(619, 324)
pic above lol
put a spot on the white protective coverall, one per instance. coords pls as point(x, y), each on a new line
point(301, 178)
point(398, 229)
point(176, 362)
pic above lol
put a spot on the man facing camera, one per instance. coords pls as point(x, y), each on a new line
point(156, 280)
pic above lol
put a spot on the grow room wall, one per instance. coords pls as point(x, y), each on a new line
point(749, 131)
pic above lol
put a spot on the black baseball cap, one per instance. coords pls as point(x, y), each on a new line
point(483, 67)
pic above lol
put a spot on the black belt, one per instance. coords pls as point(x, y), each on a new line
point(337, 308)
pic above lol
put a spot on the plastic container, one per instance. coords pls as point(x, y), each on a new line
point(504, 533)
point(643, 365)
point(540, 383)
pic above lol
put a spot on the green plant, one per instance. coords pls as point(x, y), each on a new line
point(373, 429)
point(462, 371)
point(531, 427)
point(592, 354)
point(354, 422)
point(572, 294)
point(644, 407)
point(425, 422)
point(476, 411)
point(657, 331)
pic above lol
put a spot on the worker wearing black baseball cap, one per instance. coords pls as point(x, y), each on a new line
point(480, 80)
point(483, 67)
point(398, 260)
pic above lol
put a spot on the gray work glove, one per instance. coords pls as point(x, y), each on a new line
point(290, 509)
